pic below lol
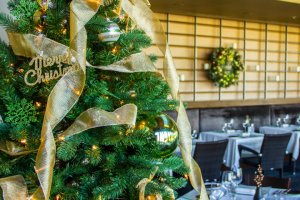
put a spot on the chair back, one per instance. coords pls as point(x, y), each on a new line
point(274, 182)
point(209, 156)
point(273, 150)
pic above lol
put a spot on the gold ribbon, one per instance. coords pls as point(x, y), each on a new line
point(30, 46)
point(138, 62)
point(14, 188)
point(146, 19)
point(65, 93)
point(144, 182)
point(13, 149)
point(43, 4)
point(95, 117)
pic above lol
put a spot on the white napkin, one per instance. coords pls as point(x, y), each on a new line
point(245, 189)
point(230, 131)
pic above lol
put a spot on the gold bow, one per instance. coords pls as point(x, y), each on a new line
point(14, 185)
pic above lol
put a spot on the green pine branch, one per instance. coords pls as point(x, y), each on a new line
point(8, 23)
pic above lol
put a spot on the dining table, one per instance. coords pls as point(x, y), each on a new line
point(193, 194)
point(232, 156)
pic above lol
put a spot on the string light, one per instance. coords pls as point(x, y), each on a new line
point(64, 31)
point(21, 70)
point(38, 104)
point(11, 64)
point(121, 102)
point(94, 147)
point(151, 197)
point(58, 197)
point(129, 131)
point(24, 141)
point(114, 50)
point(77, 92)
point(142, 125)
point(61, 138)
point(132, 93)
point(186, 176)
point(39, 28)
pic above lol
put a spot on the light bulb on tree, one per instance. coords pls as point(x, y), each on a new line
point(94, 147)
point(24, 141)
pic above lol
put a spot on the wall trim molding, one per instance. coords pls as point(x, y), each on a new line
point(237, 103)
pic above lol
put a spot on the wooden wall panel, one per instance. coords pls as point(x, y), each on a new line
point(270, 52)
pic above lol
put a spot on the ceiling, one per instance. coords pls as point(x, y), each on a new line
point(257, 10)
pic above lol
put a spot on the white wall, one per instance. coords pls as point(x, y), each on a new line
point(3, 8)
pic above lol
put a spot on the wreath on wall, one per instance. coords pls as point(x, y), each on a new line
point(225, 67)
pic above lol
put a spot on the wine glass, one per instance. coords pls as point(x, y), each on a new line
point(286, 119)
point(237, 176)
point(225, 128)
point(230, 124)
point(278, 122)
point(217, 194)
point(245, 125)
point(227, 181)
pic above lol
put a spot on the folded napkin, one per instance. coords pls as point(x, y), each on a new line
point(231, 131)
point(245, 135)
point(245, 189)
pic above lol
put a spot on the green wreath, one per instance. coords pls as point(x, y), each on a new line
point(225, 67)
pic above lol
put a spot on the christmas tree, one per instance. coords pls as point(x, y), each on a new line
point(98, 155)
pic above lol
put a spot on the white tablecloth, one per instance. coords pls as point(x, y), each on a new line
point(192, 195)
point(232, 156)
point(293, 145)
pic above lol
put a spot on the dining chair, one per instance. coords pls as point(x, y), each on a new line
point(209, 156)
point(274, 182)
point(271, 155)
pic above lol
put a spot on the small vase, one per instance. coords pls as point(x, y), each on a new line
point(257, 195)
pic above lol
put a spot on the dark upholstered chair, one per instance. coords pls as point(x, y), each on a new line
point(274, 182)
point(271, 155)
point(209, 156)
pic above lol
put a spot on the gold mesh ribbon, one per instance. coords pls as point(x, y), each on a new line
point(95, 117)
point(13, 149)
point(14, 188)
point(144, 182)
point(65, 93)
point(29, 45)
point(146, 19)
point(43, 4)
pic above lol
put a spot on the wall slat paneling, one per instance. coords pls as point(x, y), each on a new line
point(270, 53)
